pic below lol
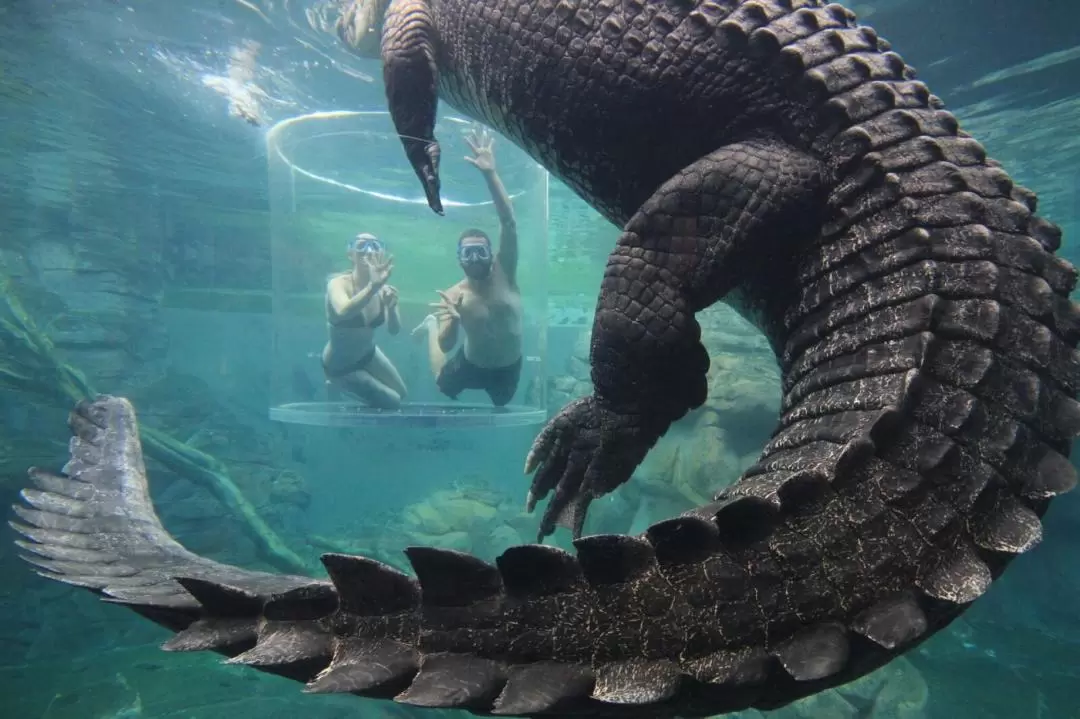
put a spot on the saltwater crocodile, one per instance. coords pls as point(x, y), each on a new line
point(772, 154)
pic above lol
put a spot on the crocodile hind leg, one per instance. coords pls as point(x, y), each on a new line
point(688, 246)
point(411, 74)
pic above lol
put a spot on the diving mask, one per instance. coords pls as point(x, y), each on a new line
point(468, 254)
point(366, 243)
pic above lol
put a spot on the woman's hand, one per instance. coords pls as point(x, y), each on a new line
point(390, 296)
point(380, 266)
point(390, 306)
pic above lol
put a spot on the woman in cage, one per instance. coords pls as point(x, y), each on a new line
point(357, 303)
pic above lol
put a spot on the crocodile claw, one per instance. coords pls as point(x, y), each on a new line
point(584, 452)
point(429, 177)
point(424, 157)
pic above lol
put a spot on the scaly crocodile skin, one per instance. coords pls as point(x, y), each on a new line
point(772, 154)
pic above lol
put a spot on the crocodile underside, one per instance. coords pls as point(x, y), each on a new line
point(928, 351)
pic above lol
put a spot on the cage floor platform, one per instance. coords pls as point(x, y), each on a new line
point(410, 414)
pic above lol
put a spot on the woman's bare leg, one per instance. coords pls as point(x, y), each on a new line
point(382, 369)
point(362, 386)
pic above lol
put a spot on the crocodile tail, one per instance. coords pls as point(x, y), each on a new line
point(930, 365)
point(754, 600)
point(94, 526)
point(932, 314)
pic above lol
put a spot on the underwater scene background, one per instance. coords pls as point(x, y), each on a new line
point(178, 181)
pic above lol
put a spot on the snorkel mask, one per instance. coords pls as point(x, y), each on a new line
point(475, 258)
point(365, 244)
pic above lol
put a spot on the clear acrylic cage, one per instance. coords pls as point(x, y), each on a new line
point(333, 175)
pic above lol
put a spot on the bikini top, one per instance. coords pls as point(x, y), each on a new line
point(357, 322)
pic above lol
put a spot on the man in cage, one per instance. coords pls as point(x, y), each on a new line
point(485, 305)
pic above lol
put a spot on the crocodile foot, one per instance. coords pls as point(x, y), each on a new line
point(584, 452)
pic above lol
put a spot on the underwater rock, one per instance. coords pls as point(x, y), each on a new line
point(290, 488)
point(447, 511)
point(500, 536)
point(521, 523)
point(504, 536)
point(470, 516)
point(614, 514)
point(462, 518)
point(201, 521)
point(466, 511)
point(575, 382)
point(98, 294)
point(244, 441)
point(741, 382)
point(383, 543)
point(689, 464)
point(426, 519)
point(461, 541)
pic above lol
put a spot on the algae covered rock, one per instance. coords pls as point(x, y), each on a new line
point(743, 376)
point(459, 541)
point(740, 382)
point(446, 511)
point(689, 465)
point(424, 518)
point(454, 518)
point(468, 517)
point(289, 487)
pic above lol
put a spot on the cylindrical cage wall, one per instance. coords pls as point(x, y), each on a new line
point(333, 175)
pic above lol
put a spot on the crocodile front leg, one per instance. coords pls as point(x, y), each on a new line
point(411, 76)
point(680, 253)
